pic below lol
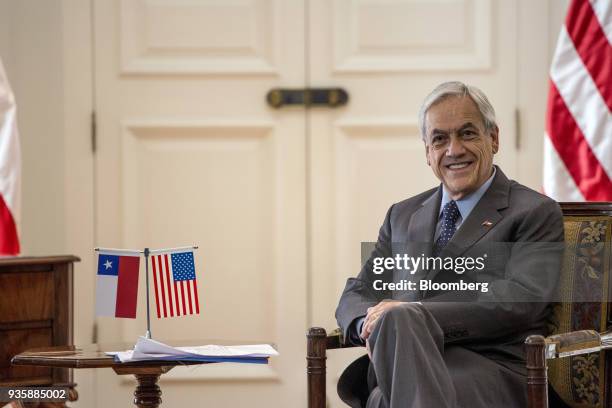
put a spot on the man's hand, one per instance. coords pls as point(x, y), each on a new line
point(374, 313)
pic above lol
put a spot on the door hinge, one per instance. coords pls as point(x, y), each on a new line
point(94, 333)
point(517, 126)
point(94, 131)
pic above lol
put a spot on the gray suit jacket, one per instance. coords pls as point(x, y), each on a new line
point(522, 275)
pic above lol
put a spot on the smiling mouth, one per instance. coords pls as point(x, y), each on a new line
point(458, 166)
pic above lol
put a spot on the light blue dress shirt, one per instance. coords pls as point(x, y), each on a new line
point(465, 204)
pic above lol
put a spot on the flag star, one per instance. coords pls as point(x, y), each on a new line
point(108, 264)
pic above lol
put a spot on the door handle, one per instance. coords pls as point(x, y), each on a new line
point(323, 97)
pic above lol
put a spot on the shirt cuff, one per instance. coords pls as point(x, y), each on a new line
point(355, 330)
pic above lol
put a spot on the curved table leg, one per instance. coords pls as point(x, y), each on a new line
point(147, 393)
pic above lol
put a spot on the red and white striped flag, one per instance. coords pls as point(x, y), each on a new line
point(578, 142)
point(174, 282)
point(10, 169)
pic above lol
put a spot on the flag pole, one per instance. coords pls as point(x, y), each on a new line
point(146, 254)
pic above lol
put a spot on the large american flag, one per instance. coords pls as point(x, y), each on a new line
point(578, 142)
point(174, 281)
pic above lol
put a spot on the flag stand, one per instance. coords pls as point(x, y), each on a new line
point(146, 254)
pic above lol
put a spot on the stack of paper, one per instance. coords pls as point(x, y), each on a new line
point(148, 349)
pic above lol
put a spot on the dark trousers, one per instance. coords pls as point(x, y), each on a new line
point(411, 368)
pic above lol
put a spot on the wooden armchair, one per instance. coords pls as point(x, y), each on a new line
point(571, 361)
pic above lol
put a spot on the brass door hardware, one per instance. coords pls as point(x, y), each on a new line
point(323, 97)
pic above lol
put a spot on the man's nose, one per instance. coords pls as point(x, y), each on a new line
point(455, 147)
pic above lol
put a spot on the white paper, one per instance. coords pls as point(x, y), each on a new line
point(148, 349)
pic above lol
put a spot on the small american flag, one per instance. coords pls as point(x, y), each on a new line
point(174, 279)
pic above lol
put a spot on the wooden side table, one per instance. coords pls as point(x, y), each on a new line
point(147, 393)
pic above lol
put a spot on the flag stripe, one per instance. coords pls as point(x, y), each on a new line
point(557, 180)
point(183, 297)
point(127, 287)
point(195, 296)
point(189, 297)
point(106, 295)
point(9, 240)
point(155, 286)
point(176, 297)
point(603, 11)
point(169, 285)
point(592, 45)
point(162, 285)
point(572, 148)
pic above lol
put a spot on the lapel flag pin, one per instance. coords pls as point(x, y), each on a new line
point(487, 223)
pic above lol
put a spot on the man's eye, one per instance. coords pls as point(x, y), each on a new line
point(469, 134)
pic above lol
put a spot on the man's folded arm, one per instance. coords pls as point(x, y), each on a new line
point(358, 294)
point(521, 300)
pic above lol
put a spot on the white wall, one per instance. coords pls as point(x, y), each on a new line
point(45, 46)
point(31, 48)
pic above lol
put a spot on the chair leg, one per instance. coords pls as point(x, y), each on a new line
point(537, 375)
point(316, 356)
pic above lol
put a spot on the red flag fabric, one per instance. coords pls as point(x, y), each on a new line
point(578, 142)
point(10, 169)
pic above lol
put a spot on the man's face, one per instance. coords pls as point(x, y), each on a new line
point(458, 149)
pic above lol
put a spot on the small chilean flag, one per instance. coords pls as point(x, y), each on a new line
point(117, 283)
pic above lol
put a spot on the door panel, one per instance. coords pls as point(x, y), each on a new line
point(188, 153)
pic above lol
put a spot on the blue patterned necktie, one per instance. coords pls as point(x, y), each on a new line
point(450, 214)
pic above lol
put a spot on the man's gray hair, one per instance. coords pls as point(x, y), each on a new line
point(456, 88)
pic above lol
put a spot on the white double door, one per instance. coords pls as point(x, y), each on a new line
point(278, 201)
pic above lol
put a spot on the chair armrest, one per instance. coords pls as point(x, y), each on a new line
point(317, 344)
point(573, 343)
point(540, 349)
point(335, 340)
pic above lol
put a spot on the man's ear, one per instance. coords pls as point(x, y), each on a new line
point(495, 139)
point(427, 154)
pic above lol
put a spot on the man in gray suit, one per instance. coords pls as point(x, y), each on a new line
point(435, 347)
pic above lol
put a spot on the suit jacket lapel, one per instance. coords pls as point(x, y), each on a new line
point(485, 214)
point(420, 235)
